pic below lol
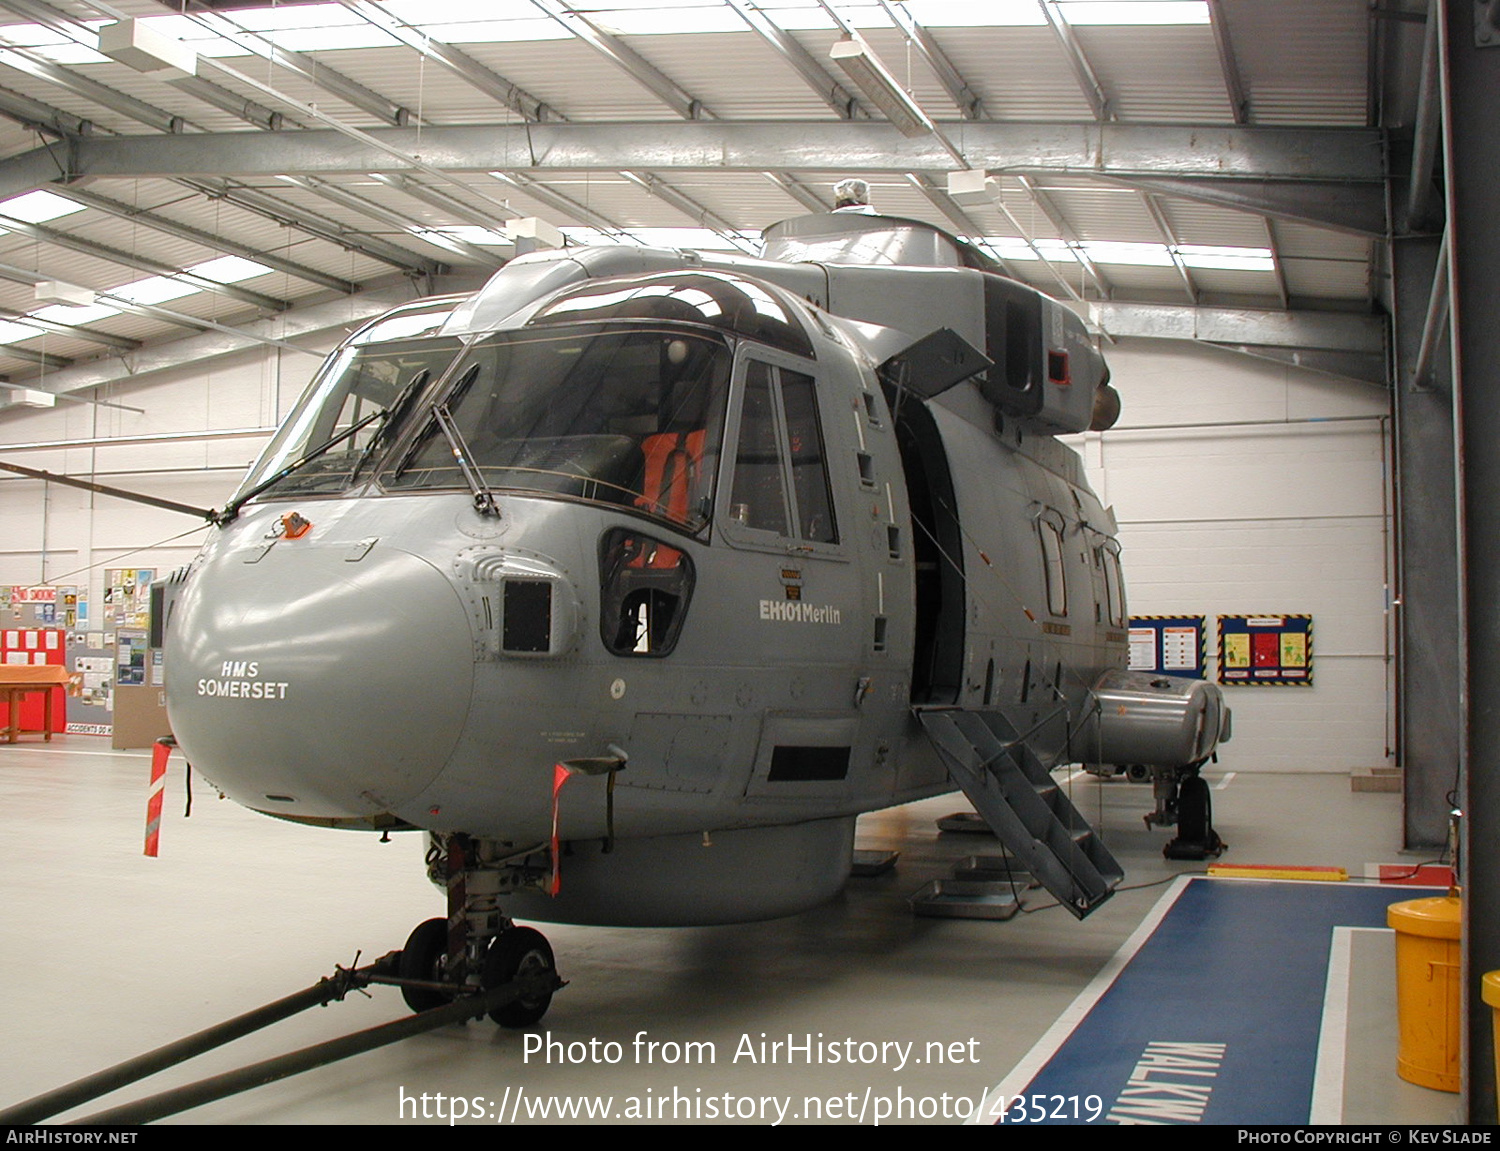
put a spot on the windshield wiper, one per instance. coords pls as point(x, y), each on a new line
point(232, 509)
point(392, 415)
point(484, 499)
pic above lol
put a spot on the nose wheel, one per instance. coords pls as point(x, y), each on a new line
point(515, 953)
point(518, 952)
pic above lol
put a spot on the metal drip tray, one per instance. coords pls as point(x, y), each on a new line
point(965, 899)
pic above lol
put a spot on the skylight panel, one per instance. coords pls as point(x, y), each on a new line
point(968, 14)
point(14, 333)
point(683, 238)
point(472, 234)
point(801, 18)
point(1227, 259)
point(496, 31)
point(228, 269)
point(331, 38)
point(30, 35)
point(1134, 11)
point(38, 207)
point(153, 290)
point(661, 21)
point(1136, 255)
point(417, 12)
point(70, 53)
point(203, 42)
point(75, 314)
point(587, 237)
point(280, 16)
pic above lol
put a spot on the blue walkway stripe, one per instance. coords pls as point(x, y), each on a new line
point(1215, 1019)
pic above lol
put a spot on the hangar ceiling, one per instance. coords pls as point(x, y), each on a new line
point(218, 174)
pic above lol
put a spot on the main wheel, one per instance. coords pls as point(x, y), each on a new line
point(425, 956)
point(518, 951)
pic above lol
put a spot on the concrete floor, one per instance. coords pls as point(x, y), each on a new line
point(110, 954)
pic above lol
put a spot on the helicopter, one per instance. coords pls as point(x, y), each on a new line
point(634, 577)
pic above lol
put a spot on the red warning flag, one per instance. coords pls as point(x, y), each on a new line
point(159, 753)
point(559, 777)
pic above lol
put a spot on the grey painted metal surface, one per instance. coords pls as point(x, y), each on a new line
point(1472, 75)
point(670, 521)
point(1427, 678)
point(1353, 155)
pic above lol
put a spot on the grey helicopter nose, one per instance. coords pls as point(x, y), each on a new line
point(328, 683)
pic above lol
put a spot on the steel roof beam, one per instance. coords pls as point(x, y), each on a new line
point(439, 199)
point(396, 220)
point(140, 263)
point(964, 98)
point(481, 78)
point(689, 207)
point(560, 202)
point(334, 83)
point(1049, 208)
point(797, 191)
point(1144, 151)
point(1169, 237)
point(72, 331)
point(340, 316)
point(1349, 332)
point(42, 117)
point(1360, 209)
point(182, 231)
point(1078, 63)
point(953, 211)
point(321, 227)
point(101, 94)
point(195, 86)
point(844, 103)
point(626, 58)
point(1234, 86)
point(45, 359)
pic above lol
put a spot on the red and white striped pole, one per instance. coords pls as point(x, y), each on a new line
point(160, 750)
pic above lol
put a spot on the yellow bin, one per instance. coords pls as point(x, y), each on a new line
point(1427, 986)
point(1489, 991)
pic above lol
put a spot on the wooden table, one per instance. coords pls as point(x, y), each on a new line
point(17, 681)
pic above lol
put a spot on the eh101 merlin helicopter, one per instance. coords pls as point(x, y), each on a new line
point(739, 548)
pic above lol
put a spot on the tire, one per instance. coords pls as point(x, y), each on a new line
point(425, 956)
point(513, 952)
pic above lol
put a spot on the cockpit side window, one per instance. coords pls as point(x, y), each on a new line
point(780, 483)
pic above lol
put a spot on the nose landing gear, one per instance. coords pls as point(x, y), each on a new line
point(477, 947)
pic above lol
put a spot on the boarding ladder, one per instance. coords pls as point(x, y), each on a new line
point(1028, 812)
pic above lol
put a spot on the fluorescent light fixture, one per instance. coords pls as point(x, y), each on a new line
point(146, 50)
point(228, 269)
point(1134, 11)
point(75, 315)
point(38, 207)
point(153, 290)
point(861, 65)
point(57, 292)
point(31, 398)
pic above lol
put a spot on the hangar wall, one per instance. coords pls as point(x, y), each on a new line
point(1244, 486)
point(1264, 494)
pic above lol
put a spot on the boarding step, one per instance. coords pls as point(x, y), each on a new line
point(1017, 797)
